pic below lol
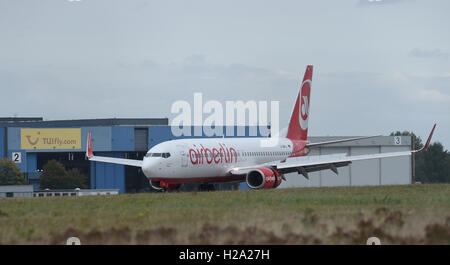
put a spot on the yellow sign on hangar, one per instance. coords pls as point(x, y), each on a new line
point(50, 138)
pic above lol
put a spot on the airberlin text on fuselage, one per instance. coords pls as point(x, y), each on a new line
point(222, 154)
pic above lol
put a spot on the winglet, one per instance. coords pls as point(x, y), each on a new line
point(428, 141)
point(89, 146)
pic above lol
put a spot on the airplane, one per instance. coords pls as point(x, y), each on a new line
point(213, 160)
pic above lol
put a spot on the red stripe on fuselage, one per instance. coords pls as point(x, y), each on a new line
point(208, 179)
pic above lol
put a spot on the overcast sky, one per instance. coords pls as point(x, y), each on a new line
point(379, 66)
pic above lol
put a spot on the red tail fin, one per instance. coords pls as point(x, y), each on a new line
point(298, 126)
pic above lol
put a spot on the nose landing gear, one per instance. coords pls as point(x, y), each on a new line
point(163, 186)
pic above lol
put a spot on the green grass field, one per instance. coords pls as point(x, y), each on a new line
point(413, 214)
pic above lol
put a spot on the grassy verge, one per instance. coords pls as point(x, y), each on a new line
point(413, 214)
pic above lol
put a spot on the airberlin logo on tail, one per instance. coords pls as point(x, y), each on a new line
point(304, 104)
point(222, 154)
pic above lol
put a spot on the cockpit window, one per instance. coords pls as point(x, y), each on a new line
point(164, 155)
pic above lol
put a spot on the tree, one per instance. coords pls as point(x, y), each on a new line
point(10, 174)
point(435, 165)
point(55, 176)
point(76, 179)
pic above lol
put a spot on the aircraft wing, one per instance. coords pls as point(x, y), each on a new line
point(304, 165)
point(121, 161)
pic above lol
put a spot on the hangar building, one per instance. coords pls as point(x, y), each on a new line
point(31, 142)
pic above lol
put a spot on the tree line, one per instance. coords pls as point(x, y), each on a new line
point(54, 176)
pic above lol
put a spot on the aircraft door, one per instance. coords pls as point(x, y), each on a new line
point(184, 159)
point(184, 155)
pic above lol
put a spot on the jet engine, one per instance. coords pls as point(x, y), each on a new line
point(263, 178)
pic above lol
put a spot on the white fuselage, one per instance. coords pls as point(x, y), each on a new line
point(210, 157)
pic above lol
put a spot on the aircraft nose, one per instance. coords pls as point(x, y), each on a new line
point(148, 167)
